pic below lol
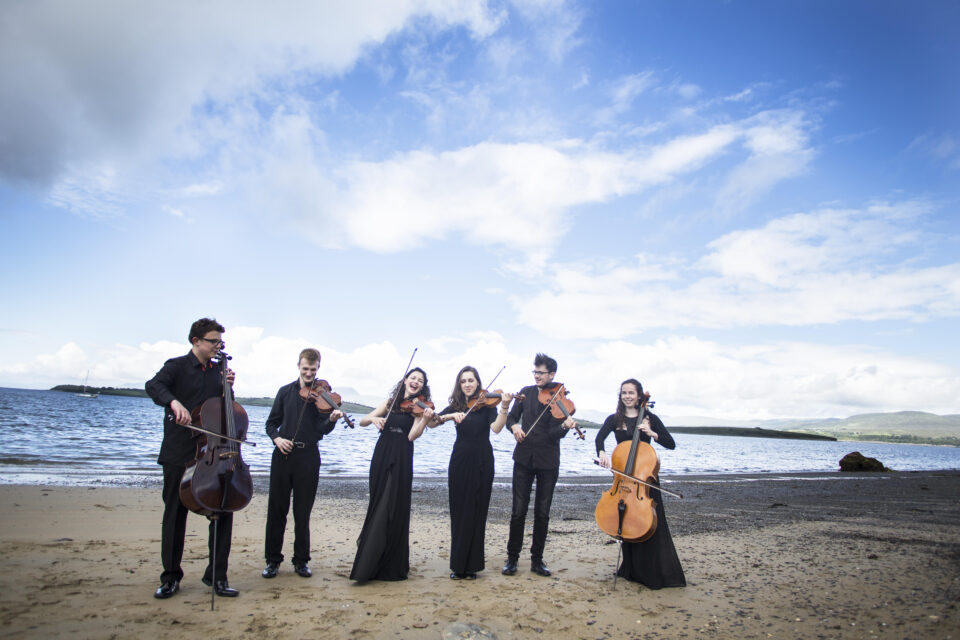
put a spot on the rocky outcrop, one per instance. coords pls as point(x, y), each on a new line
point(856, 461)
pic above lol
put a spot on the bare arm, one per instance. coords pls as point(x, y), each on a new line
point(375, 417)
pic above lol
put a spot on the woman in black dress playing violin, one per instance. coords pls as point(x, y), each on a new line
point(383, 548)
point(470, 476)
point(654, 562)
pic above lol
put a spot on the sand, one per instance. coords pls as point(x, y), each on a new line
point(803, 556)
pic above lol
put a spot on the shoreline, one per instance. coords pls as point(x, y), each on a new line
point(765, 556)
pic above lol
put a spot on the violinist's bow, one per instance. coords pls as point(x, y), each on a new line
point(545, 409)
point(402, 377)
point(480, 396)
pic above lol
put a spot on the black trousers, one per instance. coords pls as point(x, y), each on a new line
point(297, 473)
point(175, 526)
point(523, 477)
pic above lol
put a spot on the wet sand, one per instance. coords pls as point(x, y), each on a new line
point(781, 556)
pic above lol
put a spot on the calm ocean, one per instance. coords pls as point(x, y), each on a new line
point(50, 437)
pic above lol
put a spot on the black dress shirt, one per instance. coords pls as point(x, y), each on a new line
point(540, 449)
point(285, 414)
point(622, 435)
point(186, 380)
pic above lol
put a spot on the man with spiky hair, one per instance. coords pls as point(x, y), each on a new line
point(183, 384)
point(536, 456)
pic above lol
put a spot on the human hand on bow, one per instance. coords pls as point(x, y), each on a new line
point(603, 459)
point(378, 423)
point(180, 414)
point(518, 432)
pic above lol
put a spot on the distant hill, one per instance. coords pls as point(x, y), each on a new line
point(104, 391)
point(901, 426)
point(913, 427)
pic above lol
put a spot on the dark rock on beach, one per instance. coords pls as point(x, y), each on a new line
point(856, 461)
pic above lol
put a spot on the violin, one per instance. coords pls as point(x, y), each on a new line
point(218, 480)
point(626, 512)
point(325, 399)
point(489, 399)
point(561, 407)
point(417, 405)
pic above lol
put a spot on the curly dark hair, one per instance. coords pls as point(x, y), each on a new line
point(398, 390)
point(202, 327)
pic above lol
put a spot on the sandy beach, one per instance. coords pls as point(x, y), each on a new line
point(801, 556)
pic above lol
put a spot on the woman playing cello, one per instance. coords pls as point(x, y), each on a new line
point(654, 562)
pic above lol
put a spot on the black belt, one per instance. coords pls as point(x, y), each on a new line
point(395, 430)
point(299, 445)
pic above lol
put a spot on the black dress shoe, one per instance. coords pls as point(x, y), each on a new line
point(167, 589)
point(271, 570)
point(457, 576)
point(222, 589)
point(539, 568)
point(302, 570)
point(510, 568)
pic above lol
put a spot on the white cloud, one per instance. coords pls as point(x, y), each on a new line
point(690, 376)
point(480, 190)
point(623, 93)
point(822, 267)
point(941, 148)
point(84, 82)
point(685, 374)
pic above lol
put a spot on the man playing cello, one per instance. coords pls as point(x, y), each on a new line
point(182, 384)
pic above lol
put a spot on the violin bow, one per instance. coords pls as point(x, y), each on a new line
point(560, 388)
point(482, 395)
point(401, 378)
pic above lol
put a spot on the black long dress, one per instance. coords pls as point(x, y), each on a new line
point(653, 562)
point(383, 548)
point(470, 481)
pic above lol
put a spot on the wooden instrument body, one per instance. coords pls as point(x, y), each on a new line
point(638, 520)
point(218, 481)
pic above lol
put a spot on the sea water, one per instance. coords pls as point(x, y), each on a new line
point(51, 437)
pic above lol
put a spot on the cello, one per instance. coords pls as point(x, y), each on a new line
point(218, 480)
point(626, 511)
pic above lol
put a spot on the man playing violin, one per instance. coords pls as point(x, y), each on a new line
point(296, 426)
point(536, 456)
point(184, 383)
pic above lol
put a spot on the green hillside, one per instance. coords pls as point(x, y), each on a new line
point(916, 427)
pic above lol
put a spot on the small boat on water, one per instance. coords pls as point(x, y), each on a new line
point(85, 393)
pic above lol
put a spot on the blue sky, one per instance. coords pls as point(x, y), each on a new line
point(752, 207)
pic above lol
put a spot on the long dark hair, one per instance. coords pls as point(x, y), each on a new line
point(621, 419)
point(397, 396)
point(458, 399)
